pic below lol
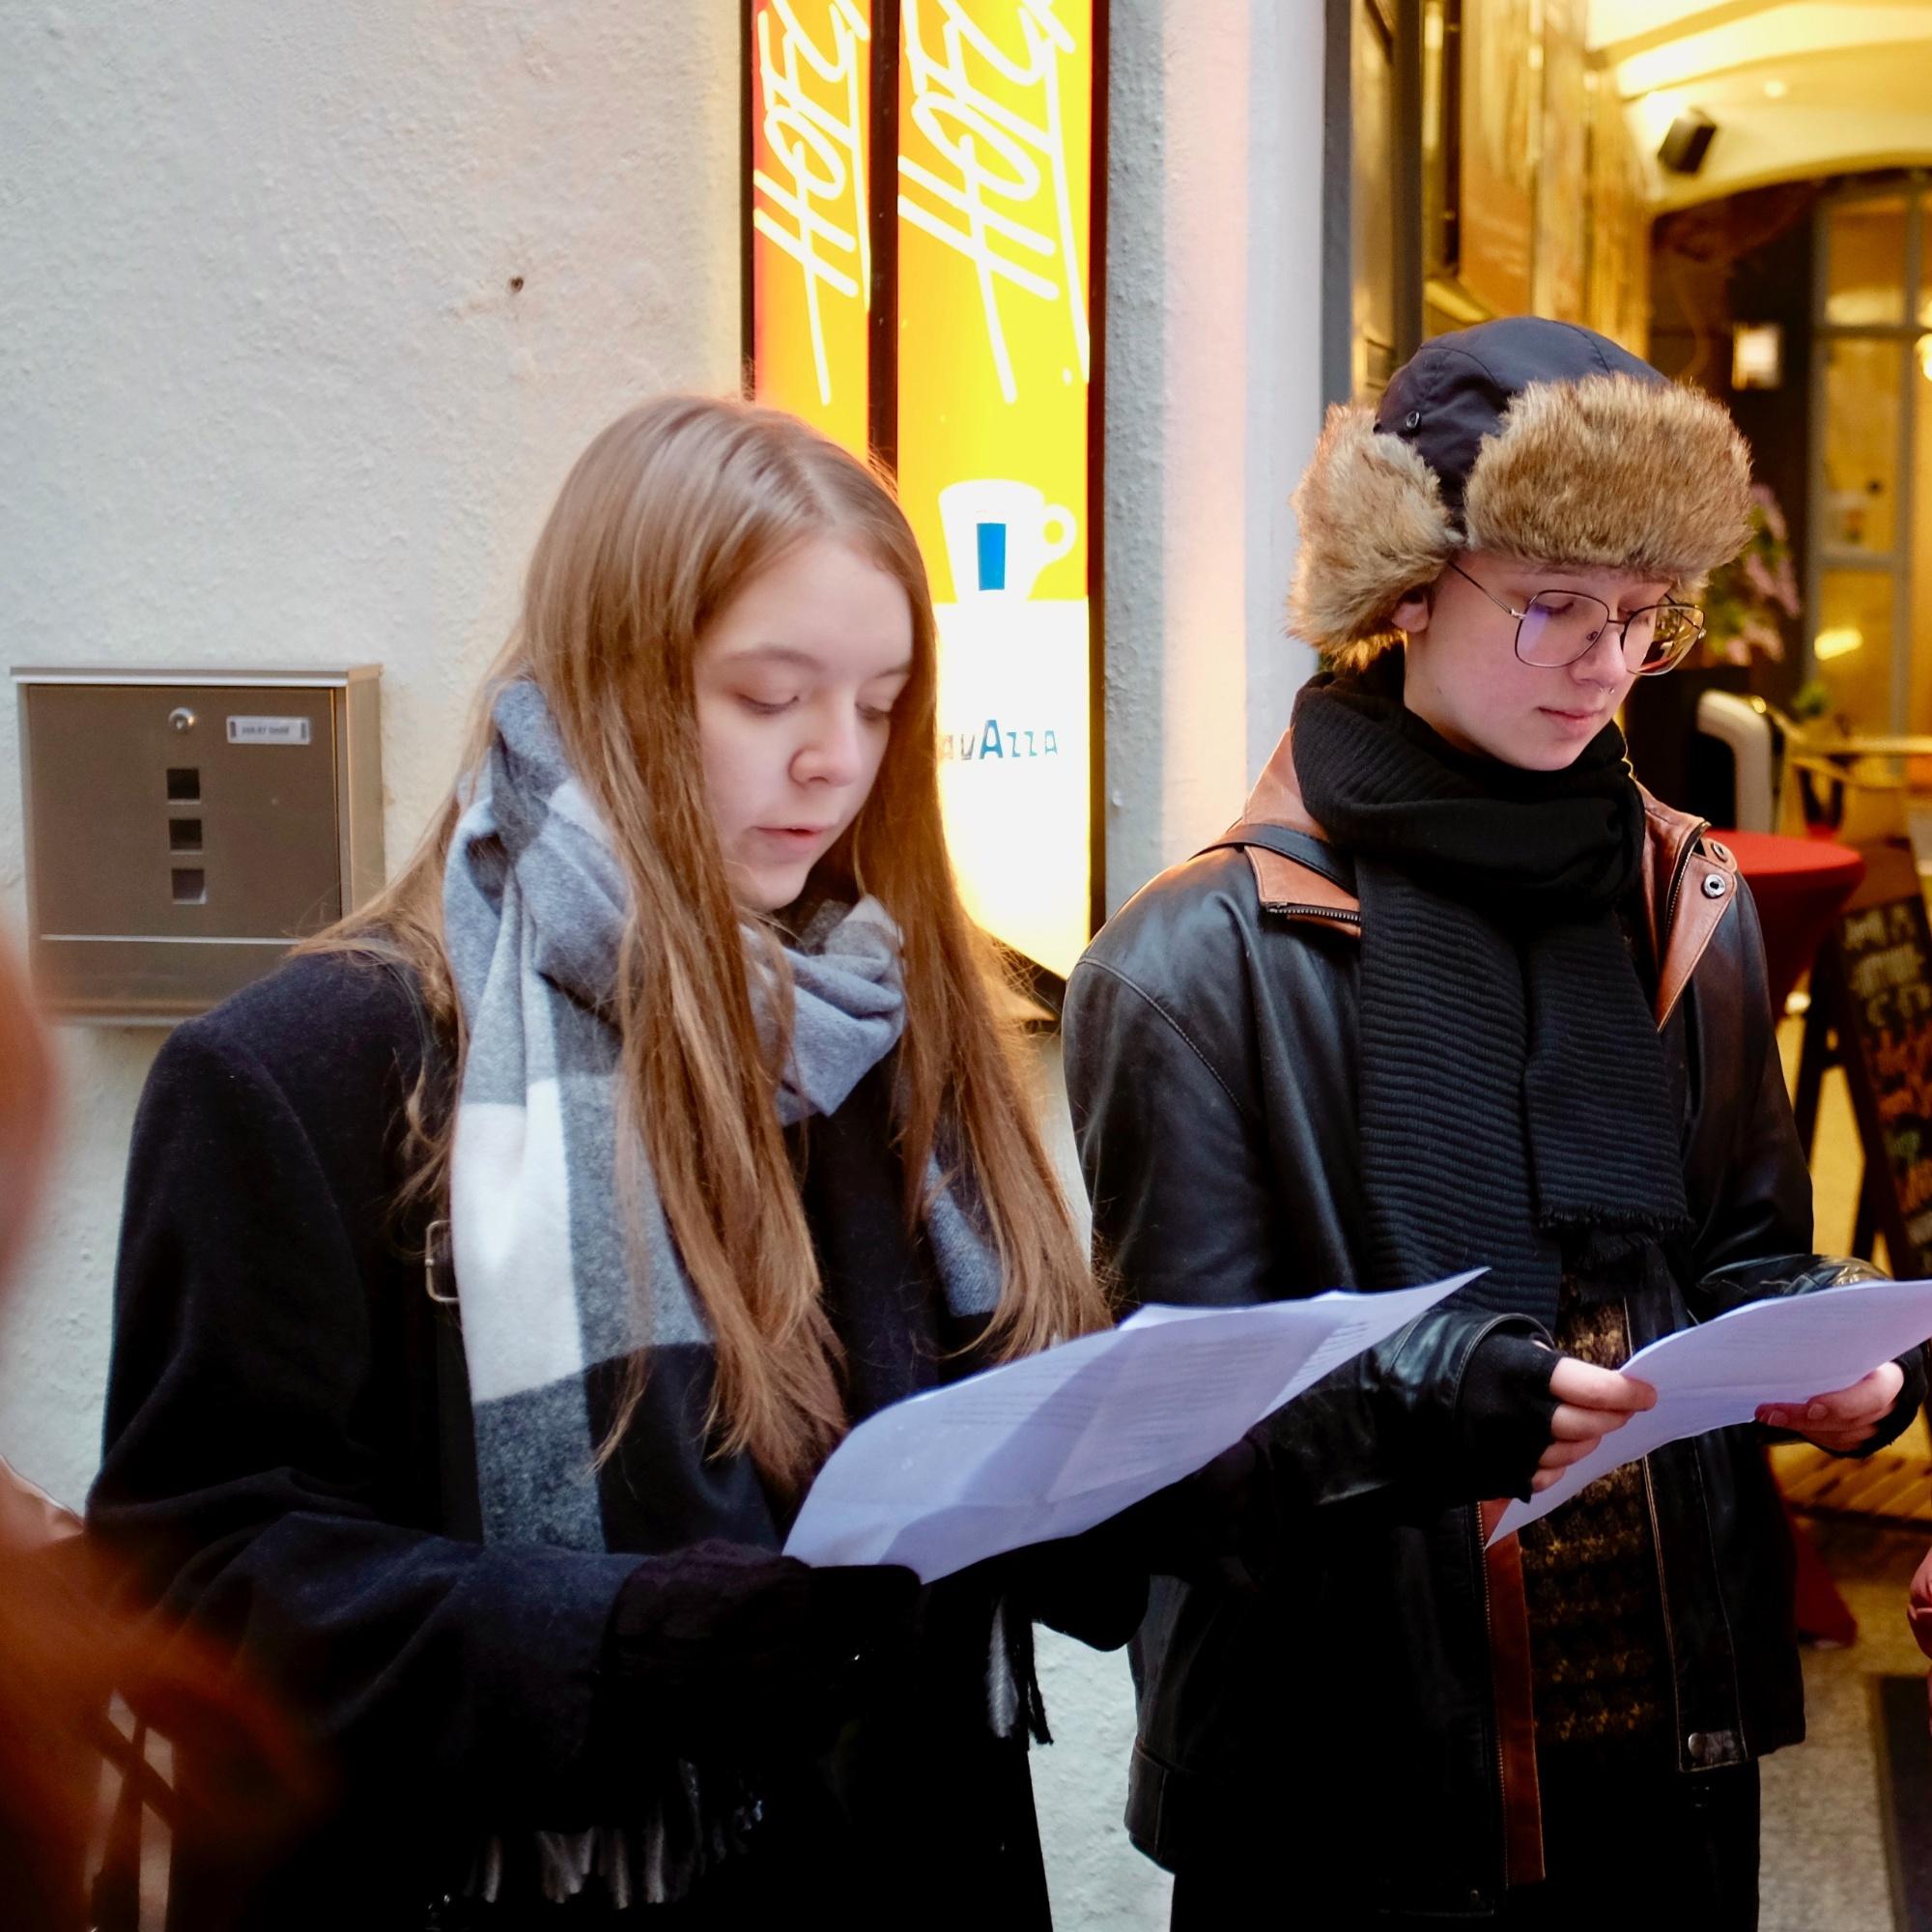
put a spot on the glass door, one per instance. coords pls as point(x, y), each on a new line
point(1869, 548)
point(1375, 166)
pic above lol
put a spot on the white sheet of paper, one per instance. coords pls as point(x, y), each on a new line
point(1721, 1373)
point(1052, 1444)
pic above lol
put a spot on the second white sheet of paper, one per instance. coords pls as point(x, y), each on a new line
point(1055, 1443)
point(1723, 1372)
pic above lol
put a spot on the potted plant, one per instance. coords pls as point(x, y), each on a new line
point(1745, 601)
point(1745, 604)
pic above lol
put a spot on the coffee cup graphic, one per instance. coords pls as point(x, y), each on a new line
point(999, 536)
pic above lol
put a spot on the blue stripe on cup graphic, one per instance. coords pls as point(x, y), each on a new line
point(992, 556)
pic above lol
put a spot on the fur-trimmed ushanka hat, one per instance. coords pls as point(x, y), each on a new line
point(1536, 437)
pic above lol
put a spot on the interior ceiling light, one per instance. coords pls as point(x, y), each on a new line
point(1776, 89)
point(1839, 641)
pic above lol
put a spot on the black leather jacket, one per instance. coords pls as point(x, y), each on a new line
point(1371, 1704)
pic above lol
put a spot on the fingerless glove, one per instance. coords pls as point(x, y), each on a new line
point(1503, 1410)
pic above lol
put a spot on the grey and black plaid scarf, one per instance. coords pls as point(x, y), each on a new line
point(534, 907)
point(535, 910)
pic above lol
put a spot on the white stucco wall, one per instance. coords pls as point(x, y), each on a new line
point(271, 399)
point(1213, 403)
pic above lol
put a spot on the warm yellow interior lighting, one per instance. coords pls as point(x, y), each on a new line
point(1655, 112)
point(1757, 356)
point(1800, 89)
point(1924, 348)
point(1839, 641)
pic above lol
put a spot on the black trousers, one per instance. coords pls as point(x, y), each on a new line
point(1621, 1850)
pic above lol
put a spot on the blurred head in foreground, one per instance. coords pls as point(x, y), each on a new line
point(241, 1781)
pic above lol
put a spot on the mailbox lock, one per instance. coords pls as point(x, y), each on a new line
point(180, 719)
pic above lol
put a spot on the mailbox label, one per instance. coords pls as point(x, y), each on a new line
point(268, 730)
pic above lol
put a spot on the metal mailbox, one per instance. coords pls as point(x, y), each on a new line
point(185, 828)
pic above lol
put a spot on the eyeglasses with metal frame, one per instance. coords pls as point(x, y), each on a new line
point(1558, 627)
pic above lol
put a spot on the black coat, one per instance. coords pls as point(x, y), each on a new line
point(287, 1463)
point(1210, 1061)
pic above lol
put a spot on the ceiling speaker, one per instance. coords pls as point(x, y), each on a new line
point(1686, 141)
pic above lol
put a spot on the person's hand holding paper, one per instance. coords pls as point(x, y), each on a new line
point(1844, 1419)
point(1766, 1356)
point(1591, 1403)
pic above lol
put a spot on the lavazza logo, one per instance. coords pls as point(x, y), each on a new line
point(990, 741)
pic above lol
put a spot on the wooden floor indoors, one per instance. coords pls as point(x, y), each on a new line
point(1828, 1860)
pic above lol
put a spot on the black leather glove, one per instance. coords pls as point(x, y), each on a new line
point(1503, 1410)
point(738, 1655)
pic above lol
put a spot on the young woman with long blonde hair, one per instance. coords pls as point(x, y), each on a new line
point(499, 1271)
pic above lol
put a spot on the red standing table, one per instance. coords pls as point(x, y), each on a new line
point(1799, 885)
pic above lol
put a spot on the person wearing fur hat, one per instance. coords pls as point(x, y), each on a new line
point(1457, 992)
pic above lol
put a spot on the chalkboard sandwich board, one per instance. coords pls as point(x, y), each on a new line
point(1873, 989)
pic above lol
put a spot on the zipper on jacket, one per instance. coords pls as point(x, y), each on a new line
point(1663, 1582)
point(1331, 913)
point(1496, 1726)
point(1663, 1606)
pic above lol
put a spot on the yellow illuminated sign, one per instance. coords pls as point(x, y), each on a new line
point(990, 134)
point(811, 263)
point(995, 131)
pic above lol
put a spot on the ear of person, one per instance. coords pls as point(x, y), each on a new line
point(1411, 614)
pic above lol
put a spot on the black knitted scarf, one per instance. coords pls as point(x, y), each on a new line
point(1515, 1107)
